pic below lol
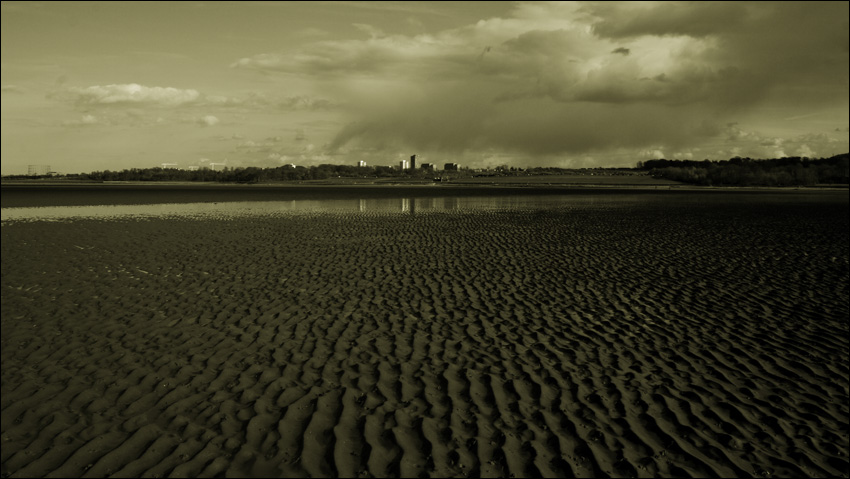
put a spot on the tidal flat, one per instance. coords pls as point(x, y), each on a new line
point(626, 335)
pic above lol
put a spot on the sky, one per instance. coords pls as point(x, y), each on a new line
point(108, 86)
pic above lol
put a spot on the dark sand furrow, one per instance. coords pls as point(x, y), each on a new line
point(37, 458)
point(261, 430)
point(18, 417)
point(87, 454)
point(350, 451)
point(412, 385)
point(151, 457)
point(319, 440)
point(520, 457)
point(457, 411)
point(686, 447)
point(291, 429)
point(136, 445)
point(52, 428)
point(548, 455)
point(417, 450)
point(384, 452)
point(388, 384)
point(445, 458)
point(188, 461)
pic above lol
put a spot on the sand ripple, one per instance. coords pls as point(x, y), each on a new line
point(651, 339)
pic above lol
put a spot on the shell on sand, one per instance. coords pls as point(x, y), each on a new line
point(634, 338)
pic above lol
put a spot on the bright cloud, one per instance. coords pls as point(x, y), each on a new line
point(132, 93)
point(208, 120)
point(85, 120)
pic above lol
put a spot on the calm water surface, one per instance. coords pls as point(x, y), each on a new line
point(412, 206)
point(293, 207)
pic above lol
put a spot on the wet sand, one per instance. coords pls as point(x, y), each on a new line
point(657, 338)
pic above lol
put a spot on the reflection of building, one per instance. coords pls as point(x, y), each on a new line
point(451, 166)
point(412, 162)
point(38, 170)
point(405, 205)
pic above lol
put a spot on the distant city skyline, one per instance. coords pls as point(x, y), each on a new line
point(91, 86)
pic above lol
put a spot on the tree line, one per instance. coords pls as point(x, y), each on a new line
point(253, 174)
point(737, 171)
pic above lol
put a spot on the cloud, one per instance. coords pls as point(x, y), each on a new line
point(392, 54)
point(568, 78)
point(138, 105)
point(85, 120)
point(804, 150)
point(12, 89)
point(740, 141)
point(208, 120)
point(305, 102)
point(777, 44)
point(370, 30)
point(696, 19)
point(131, 93)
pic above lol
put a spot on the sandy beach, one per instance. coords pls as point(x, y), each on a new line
point(672, 336)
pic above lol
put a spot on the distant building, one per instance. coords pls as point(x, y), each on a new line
point(361, 163)
point(169, 165)
point(451, 166)
point(412, 162)
point(403, 164)
point(428, 166)
point(38, 170)
point(218, 166)
point(193, 168)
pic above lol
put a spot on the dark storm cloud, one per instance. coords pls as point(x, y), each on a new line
point(549, 80)
point(779, 42)
point(535, 126)
point(698, 19)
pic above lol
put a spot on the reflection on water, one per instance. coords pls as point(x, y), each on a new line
point(406, 206)
point(409, 206)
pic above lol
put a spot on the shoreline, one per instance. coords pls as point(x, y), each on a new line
point(79, 194)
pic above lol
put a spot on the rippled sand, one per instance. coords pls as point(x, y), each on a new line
point(648, 338)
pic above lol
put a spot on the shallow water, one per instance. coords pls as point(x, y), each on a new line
point(401, 205)
point(278, 208)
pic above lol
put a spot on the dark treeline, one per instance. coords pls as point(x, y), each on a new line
point(788, 171)
point(255, 174)
point(302, 173)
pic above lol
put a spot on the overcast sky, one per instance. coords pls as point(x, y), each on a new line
point(95, 86)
